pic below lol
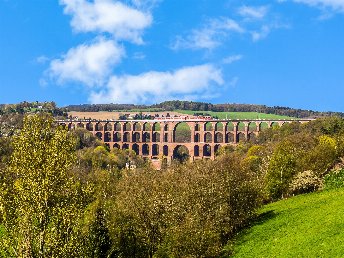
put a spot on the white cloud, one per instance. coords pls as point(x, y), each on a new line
point(208, 37)
point(145, 4)
point(42, 59)
point(261, 34)
point(336, 5)
point(89, 64)
point(110, 16)
point(139, 56)
point(251, 12)
point(231, 59)
point(152, 87)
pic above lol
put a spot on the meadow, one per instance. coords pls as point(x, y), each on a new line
point(236, 115)
point(309, 225)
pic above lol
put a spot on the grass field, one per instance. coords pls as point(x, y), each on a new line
point(236, 115)
point(303, 226)
point(103, 115)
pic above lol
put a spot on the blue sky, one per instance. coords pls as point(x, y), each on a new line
point(280, 52)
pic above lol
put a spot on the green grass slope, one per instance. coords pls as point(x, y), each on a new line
point(303, 226)
point(236, 115)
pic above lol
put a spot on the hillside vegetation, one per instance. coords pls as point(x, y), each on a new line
point(65, 194)
point(310, 225)
point(201, 106)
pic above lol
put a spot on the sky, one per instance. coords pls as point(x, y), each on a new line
point(276, 53)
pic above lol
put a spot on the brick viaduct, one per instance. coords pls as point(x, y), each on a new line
point(156, 138)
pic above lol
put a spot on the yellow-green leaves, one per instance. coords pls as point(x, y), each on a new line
point(43, 203)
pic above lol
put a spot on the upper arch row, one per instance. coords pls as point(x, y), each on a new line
point(171, 126)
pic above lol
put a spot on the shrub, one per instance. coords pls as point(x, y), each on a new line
point(335, 179)
point(305, 182)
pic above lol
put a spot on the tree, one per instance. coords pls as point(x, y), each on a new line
point(41, 202)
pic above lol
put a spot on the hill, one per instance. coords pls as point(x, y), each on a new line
point(309, 225)
point(201, 106)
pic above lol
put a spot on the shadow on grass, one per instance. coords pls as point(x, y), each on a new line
point(262, 218)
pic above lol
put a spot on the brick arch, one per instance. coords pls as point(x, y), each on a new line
point(89, 126)
point(208, 137)
point(137, 126)
point(136, 148)
point(99, 127)
point(136, 137)
point(190, 126)
point(108, 126)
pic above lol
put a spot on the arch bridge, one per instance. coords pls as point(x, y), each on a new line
point(156, 138)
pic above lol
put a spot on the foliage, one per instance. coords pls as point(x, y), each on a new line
point(305, 182)
point(41, 203)
point(281, 169)
point(334, 179)
point(186, 211)
point(302, 226)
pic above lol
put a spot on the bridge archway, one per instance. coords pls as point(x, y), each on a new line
point(182, 133)
point(165, 150)
point(137, 127)
point(156, 127)
point(207, 150)
point(197, 137)
point(218, 137)
point(127, 126)
point(230, 126)
point(99, 127)
point(136, 148)
point(146, 137)
point(252, 127)
point(89, 126)
point(108, 127)
point(99, 136)
point(156, 137)
point(218, 126)
point(196, 151)
point(107, 137)
point(147, 127)
point(216, 148)
point(230, 138)
point(80, 125)
point(208, 126)
point(145, 149)
point(241, 137)
point(117, 137)
point(117, 127)
point(136, 137)
point(126, 137)
point(155, 150)
point(208, 137)
point(181, 153)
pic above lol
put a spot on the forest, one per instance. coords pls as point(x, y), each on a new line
point(64, 194)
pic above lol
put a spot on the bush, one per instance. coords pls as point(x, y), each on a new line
point(335, 179)
point(305, 182)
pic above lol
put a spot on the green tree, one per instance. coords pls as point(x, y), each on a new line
point(41, 202)
point(281, 169)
